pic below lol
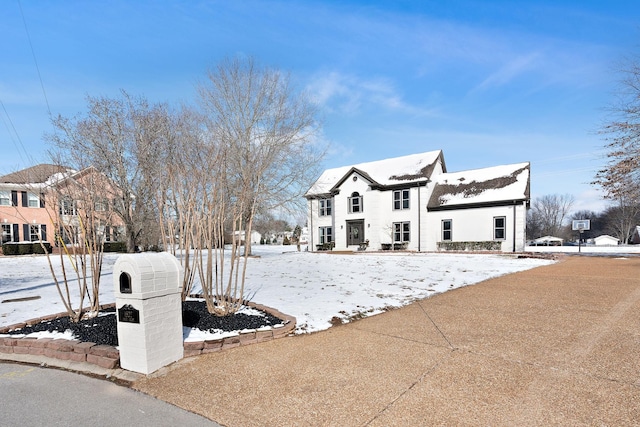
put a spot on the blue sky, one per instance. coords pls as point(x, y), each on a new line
point(488, 82)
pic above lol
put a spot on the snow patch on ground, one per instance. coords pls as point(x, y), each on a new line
point(313, 287)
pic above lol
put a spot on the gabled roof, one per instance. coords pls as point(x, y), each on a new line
point(481, 186)
point(381, 173)
point(38, 174)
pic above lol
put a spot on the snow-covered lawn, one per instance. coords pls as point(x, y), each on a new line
point(313, 287)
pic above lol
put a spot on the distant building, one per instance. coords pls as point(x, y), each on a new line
point(39, 202)
point(606, 240)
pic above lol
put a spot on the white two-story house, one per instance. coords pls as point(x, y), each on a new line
point(413, 203)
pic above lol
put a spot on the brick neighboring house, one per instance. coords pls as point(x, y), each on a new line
point(37, 201)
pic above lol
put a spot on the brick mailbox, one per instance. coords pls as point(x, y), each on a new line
point(149, 310)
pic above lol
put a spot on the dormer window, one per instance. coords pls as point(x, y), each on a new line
point(355, 203)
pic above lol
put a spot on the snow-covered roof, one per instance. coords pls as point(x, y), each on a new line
point(480, 186)
point(41, 176)
point(603, 239)
point(38, 174)
point(398, 170)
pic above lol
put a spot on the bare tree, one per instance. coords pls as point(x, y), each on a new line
point(621, 220)
point(261, 136)
point(118, 137)
point(547, 215)
point(177, 185)
point(84, 220)
point(270, 132)
point(620, 177)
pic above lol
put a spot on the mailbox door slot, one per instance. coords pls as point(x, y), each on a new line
point(125, 283)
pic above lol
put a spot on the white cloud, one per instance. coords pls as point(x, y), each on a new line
point(590, 199)
point(510, 71)
point(350, 94)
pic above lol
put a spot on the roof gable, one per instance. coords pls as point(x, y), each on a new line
point(350, 172)
point(381, 173)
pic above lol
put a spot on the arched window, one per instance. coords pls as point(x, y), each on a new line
point(355, 202)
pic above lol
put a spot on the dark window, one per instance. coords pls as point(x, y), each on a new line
point(7, 233)
point(355, 203)
point(499, 228)
point(447, 229)
point(401, 232)
point(401, 199)
point(35, 233)
point(326, 235)
point(325, 207)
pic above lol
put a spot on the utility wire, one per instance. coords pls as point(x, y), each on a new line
point(24, 21)
point(14, 135)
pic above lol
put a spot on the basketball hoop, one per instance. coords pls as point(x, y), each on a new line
point(580, 225)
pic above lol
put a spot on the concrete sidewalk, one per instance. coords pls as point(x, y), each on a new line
point(556, 345)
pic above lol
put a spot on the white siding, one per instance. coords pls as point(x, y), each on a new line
point(477, 225)
point(470, 224)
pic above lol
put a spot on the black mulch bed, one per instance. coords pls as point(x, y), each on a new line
point(103, 329)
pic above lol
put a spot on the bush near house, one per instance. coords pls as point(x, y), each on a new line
point(120, 247)
point(25, 248)
point(470, 246)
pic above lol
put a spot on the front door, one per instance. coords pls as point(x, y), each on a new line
point(355, 232)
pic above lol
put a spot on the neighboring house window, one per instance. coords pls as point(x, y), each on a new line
point(34, 200)
point(5, 198)
point(7, 233)
point(447, 228)
point(108, 236)
point(326, 235)
point(101, 205)
point(69, 234)
point(355, 203)
point(325, 207)
point(100, 233)
point(401, 232)
point(68, 207)
point(401, 199)
point(34, 232)
point(499, 228)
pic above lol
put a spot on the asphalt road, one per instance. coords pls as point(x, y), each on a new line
point(34, 396)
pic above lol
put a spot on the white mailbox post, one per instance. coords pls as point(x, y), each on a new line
point(149, 310)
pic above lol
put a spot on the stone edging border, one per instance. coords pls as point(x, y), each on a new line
point(108, 357)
